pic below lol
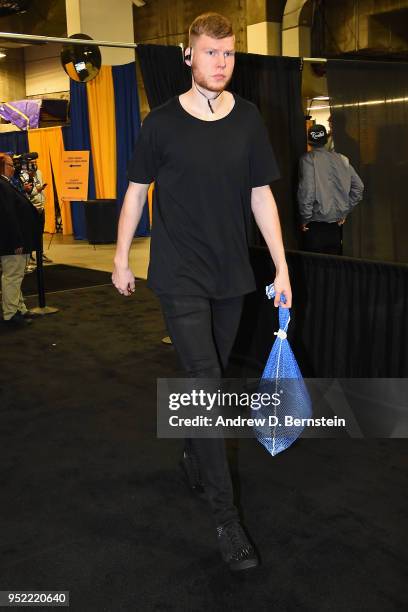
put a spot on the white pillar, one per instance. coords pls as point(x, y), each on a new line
point(264, 38)
point(296, 42)
point(104, 20)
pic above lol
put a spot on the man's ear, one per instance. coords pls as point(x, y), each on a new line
point(187, 56)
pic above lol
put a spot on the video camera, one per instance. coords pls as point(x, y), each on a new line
point(25, 161)
point(25, 167)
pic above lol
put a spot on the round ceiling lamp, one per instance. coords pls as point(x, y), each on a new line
point(11, 7)
point(81, 62)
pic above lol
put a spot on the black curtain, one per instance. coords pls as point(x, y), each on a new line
point(370, 125)
point(164, 73)
point(348, 317)
point(273, 84)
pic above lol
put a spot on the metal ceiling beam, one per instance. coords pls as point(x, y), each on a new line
point(85, 41)
point(71, 41)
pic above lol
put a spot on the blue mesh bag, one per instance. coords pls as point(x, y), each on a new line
point(282, 377)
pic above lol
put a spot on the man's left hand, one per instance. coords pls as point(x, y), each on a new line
point(282, 287)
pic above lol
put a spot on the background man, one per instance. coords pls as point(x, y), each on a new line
point(210, 157)
point(329, 189)
point(18, 237)
point(34, 188)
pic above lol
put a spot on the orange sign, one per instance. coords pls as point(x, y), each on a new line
point(75, 172)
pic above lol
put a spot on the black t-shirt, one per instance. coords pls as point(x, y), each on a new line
point(204, 172)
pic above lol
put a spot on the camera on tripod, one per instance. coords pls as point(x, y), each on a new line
point(25, 161)
point(25, 166)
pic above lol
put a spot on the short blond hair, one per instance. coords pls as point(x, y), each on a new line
point(211, 24)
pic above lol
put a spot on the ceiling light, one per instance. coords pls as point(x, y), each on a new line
point(139, 3)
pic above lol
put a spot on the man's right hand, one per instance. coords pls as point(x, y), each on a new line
point(135, 198)
point(124, 280)
point(18, 250)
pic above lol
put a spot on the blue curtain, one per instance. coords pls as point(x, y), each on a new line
point(77, 138)
point(14, 142)
point(127, 128)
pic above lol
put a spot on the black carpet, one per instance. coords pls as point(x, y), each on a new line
point(92, 501)
point(60, 277)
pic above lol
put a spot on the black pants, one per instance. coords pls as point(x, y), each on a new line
point(41, 215)
point(323, 238)
point(203, 331)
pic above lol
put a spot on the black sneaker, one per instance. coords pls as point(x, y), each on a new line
point(18, 320)
point(236, 549)
point(30, 315)
point(191, 471)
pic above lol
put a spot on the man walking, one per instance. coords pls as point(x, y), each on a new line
point(329, 189)
point(210, 157)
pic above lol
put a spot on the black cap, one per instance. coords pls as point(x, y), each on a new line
point(317, 135)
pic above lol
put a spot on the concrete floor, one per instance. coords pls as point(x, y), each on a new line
point(66, 250)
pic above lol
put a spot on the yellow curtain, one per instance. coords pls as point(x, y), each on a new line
point(49, 144)
point(150, 202)
point(56, 145)
point(102, 127)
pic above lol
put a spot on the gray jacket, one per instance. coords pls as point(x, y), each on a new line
point(37, 198)
point(329, 187)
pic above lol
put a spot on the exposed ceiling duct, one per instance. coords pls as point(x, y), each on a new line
point(291, 14)
point(362, 28)
point(12, 7)
point(296, 24)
